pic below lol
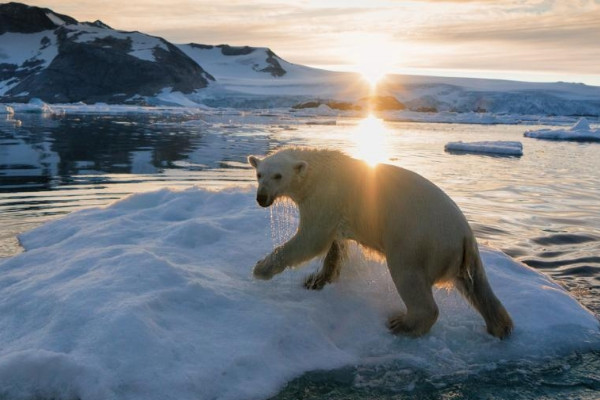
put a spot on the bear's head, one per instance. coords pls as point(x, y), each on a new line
point(278, 175)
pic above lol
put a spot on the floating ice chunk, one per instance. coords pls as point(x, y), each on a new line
point(152, 298)
point(580, 132)
point(322, 122)
point(503, 148)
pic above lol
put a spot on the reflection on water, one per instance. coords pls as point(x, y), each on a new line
point(371, 142)
point(543, 208)
point(45, 153)
point(50, 166)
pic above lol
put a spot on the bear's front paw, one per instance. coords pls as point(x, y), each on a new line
point(265, 269)
point(316, 281)
point(262, 270)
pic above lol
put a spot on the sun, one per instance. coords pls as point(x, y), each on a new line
point(372, 75)
point(372, 59)
point(373, 68)
point(371, 141)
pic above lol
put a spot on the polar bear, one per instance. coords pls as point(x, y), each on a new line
point(421, 232)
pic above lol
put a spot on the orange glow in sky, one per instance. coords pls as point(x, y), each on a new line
point(529, 40)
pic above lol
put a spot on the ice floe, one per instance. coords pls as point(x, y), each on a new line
point(152, 298)
point(501, 148)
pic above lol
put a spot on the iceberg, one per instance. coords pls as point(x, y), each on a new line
point(152, 297)
point(579, 132)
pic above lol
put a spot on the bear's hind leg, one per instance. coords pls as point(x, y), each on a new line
point(421, 309)
point(330, 270)
point(478, 291)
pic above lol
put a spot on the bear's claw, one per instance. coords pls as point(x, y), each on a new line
point(315, 281)
point(398, 326)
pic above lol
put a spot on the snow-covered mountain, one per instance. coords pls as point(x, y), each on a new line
point(436, 94)
point(256, 75)
point(52, 56)
point(234, 61)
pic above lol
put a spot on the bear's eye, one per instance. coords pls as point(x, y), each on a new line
point(277, 176)
point(259, 175)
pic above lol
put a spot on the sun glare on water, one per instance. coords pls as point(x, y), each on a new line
point(371, 141)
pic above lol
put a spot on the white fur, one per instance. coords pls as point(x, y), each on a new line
point(395, 212)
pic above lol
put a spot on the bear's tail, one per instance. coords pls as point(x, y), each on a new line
point(473, 284)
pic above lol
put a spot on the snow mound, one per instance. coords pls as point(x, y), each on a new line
point(502, 148)
point(580, 132)
point(152, 298)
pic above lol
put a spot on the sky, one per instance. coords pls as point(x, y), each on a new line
point(527, 40)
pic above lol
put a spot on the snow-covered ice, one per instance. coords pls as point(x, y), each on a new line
point(167, 97)
point(152, 298)
point(169, 102)
point(502, 148)
point(580, 131)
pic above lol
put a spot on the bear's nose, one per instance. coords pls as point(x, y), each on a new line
point(262, 200)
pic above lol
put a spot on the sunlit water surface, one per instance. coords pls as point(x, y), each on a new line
point(542, 209)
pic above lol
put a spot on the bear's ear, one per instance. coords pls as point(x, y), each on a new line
point(254, 161)
point(300, 167)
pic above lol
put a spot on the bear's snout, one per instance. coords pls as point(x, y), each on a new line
point(263, 200)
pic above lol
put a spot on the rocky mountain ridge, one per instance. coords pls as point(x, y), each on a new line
point(54, 57)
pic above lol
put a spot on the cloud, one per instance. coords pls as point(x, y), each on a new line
point(574, 29)
point(545, 36)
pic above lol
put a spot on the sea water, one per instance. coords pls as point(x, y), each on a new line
point(542, 209)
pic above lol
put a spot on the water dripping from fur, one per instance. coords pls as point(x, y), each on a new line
point(284, 221)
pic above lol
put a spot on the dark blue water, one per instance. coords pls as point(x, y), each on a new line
point(542, 209)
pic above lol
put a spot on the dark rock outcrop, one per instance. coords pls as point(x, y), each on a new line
point(383, 103)
point(273, 65)
point(227, 50)
point(334, 105)
point(274, 68)
point(21, 18)
point(374, 103)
